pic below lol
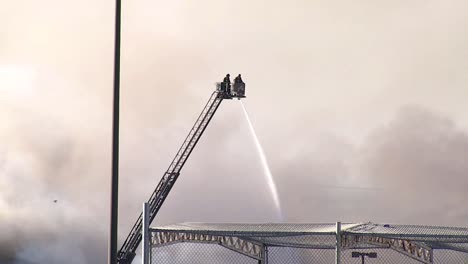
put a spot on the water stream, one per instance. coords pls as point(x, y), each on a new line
point(266, 168)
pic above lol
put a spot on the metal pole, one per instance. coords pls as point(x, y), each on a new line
point(264, 259)
point(338, 243)
point(145, 232)
point(112, 258)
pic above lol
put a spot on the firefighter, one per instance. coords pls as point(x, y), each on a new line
point(227, 83)
point(238, 79)
point(227, 79)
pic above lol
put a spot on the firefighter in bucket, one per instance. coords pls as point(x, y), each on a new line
point(238, 89)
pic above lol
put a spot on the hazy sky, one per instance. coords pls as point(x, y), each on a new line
point(360, 106)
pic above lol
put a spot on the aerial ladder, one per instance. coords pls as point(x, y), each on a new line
point(224, 90)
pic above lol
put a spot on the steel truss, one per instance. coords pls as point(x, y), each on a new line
point(414, 250)
point(243, 246)
point(420, 243)
point(255, 250)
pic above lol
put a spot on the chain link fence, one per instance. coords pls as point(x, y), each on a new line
point(195, 253)
point(307, 243)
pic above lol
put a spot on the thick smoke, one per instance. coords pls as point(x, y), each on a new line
point(411, 170)
point(418, 160)
point(386, 178)
point(49, 183)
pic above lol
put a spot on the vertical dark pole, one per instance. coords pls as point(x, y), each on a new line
point(115, 142)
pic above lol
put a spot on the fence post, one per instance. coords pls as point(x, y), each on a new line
point(338, 243)
point(264, 259)
point(145, 234)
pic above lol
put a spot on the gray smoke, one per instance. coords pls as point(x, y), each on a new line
point(411, 170)
point(322, 178)
point(419, 161)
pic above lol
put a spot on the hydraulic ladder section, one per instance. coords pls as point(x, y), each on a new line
point(127, 251)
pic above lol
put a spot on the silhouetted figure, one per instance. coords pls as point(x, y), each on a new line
point(227, 83)
point(238, 79)
point(227, 79)
point(238, 88)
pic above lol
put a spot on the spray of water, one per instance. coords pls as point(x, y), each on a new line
point(266, 168)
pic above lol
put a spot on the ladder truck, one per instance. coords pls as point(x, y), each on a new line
point(224, 90)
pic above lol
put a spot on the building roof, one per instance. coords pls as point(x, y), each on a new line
point(260, 229)
point(323, 235)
